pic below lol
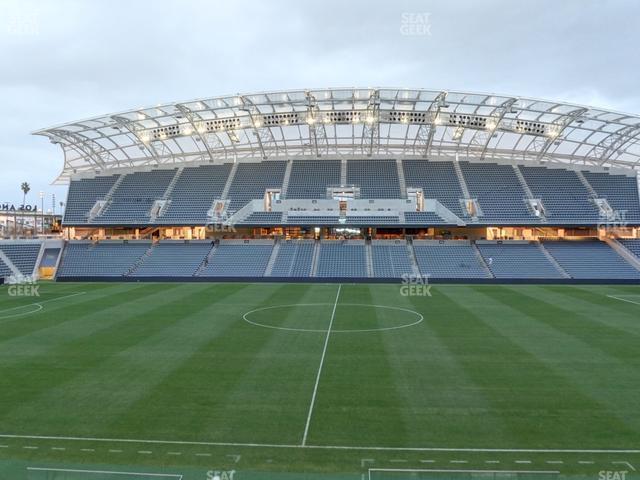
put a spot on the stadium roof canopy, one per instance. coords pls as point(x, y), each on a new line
point(352, 122)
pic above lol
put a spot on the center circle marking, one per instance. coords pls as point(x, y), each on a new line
point(419, 317)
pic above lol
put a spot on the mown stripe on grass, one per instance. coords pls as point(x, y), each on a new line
point(56, 322)
point(357, 401)
point(151, 349)
point(536, 401)
point(593, 390)
point(595, 304)
point(444, 403)
point(213, 393)
point(562, 313)
point(86, 342)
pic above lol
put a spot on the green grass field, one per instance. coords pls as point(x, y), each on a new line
point(263, 379)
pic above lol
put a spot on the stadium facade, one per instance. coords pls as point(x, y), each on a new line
point(368, 184)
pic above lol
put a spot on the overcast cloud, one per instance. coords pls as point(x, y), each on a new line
point(67, 60)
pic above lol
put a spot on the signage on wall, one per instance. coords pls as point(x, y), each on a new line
point(11, 208)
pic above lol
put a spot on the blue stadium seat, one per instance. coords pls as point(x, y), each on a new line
point(590, 259)
point(449, 259)
point(194, 193)
point(342, 259)
point(376, 178)
point(517, 260)
point(131, 202)
point(632, 245)
point(238, 260)
point(83, 195)
point(621, 193)
point(499, 193)
point(252, 179)
point(438, 180)
point(104, 259)
point(22, 255)
point(391, 260)
point(310, 178)
point(294, 259)
point(566, 200)
point(169, 259)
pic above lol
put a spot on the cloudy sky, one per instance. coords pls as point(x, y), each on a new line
point(67, 60)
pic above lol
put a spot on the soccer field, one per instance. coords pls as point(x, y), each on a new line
point(185, 380)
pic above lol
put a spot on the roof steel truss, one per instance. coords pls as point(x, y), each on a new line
point(349, 122)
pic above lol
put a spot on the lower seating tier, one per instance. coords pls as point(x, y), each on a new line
point(349, 259)
point(23, 255)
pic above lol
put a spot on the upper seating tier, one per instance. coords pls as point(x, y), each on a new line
point(188, 193)
point(376, 178)
point(311, 178)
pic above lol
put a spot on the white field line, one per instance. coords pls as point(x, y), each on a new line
point(625, 463)
point(36, 304)
point(320, 447)
point(324, 352)
point(418, 470)
point(21, 314)
point(623, 299)
point(419, 317)
point(103, 472)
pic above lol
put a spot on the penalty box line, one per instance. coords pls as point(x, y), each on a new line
point(105, 472)
point(421, 470)
point(320, 447)
point(617, 297)
point(324, 352)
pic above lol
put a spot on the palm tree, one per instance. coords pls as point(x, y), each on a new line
point(25, 187)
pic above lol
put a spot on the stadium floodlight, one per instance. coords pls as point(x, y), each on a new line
point(457, 133)
point(553, 132)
